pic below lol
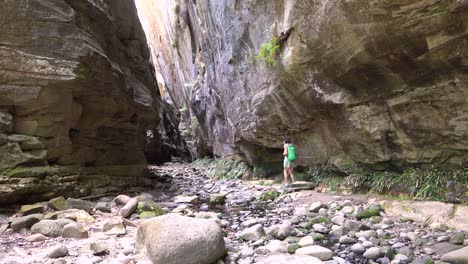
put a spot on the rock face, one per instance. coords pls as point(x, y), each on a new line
point(77, 95)
point(177, 239)
point(352, 81)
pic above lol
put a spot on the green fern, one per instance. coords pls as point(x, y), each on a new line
point(269, 51)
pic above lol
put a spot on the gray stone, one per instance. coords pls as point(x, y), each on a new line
point(57, 203)
point(281, 231)
point(80, 204)
point(358, 248)
point(459, 256)
point(253, 233)
point(353, 225)
point(25, 221)
point(36, 238)
point(74, 230)
point(339, 220)
point(366, 234)
point(103, 207)
point(32, 209)
point(58, 252)
point(275, 246)
point(122, 199)
point(316, 251)
point(50, 228)
point(129, 208)
point(372, 253)
point(306, 241)
point(347, 240)
point(114, 227)
point(99, 248)
point(444, 248)
point(287, 259)
point(457, 238)
point(190, 240)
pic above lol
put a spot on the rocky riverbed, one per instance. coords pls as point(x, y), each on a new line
point(223, 221)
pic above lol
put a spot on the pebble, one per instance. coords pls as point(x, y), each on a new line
point(58, 252)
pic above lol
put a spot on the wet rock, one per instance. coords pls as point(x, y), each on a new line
point(25, 221)
point(253, 233)
point(129, 208)
point(74, 230)
point(57, 203)
point(316, 251)
point(79, 204)
point(50, 228)
point(373, 210)
point(459, 256)
point(191, 240)
point(58, 252)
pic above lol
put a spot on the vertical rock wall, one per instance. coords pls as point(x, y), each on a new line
point(354, 81)
point(77, 95)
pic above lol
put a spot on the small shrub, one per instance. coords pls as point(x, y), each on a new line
point(176, 9)
point(269, 195)
point(269, 51)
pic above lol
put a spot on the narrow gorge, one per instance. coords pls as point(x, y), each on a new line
point(126, 123)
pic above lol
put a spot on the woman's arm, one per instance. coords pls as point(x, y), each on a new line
point(285, 152)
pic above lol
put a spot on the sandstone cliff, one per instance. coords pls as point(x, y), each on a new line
point(350, 81)
point(77, 96)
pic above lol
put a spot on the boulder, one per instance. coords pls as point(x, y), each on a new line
point(74, 230)
point(459, 256)
point(25, 221)
point(50, 228)
point(57, 203)
point(175, 239)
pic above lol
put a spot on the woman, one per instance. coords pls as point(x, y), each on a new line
point(289, 160)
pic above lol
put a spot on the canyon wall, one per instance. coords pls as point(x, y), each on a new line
point(371, 82)
point(77, 96)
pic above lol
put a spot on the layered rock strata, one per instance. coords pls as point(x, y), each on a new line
point(77, 95)
point(350, 81)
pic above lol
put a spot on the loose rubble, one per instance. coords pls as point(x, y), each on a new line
point(194, 219)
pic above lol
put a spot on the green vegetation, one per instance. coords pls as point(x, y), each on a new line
point(368, 213)
point(174, 44)
point(183, 109)
point(316, 220)
point(269, 195)
point(424, 182)
point(293, 247)
point(176, 9)
point(228, 169)
point(269, 51)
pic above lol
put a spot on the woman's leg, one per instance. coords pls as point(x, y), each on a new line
point(291, 173)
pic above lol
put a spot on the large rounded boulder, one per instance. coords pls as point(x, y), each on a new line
point(175, 239)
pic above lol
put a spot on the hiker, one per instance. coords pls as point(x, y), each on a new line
point(289, 163)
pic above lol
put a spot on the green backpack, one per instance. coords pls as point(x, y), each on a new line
point(291, 153)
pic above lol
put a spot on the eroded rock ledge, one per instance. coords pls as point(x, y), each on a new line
point(77, 95)
point(355, 81)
